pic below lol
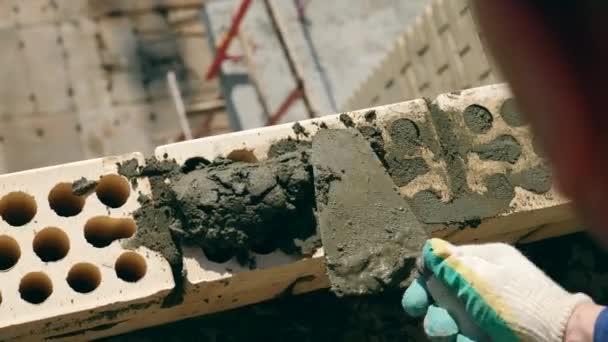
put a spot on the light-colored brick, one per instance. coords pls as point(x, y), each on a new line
point(66, 309)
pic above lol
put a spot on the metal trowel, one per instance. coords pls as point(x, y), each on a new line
point(371, 237)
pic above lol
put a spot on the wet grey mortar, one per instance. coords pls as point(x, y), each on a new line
point(503, 148)
point(468, 208)
point(478, 119)
point(511, 114)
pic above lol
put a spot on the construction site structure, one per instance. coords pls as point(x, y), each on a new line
point(441, 51)
point(69, 273)
point(86, 79)
point(282, 61)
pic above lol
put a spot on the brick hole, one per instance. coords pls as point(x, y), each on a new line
point(18, 208)
point(478, 119)
point(63, 201)
point(242, 155)
point(35, 287)
point(219, 255)
point(113, 190)
point(84, 277)
point(101, 231)
point(10, 252)
point(264, 247)
point(51, 244)
point(130, 267)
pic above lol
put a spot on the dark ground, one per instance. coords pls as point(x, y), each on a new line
point(574, 261)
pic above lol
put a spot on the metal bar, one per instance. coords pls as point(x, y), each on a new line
point(297, 75)
point(253, 75)
point(179, 105)
point(221, 54)
point(288, 102)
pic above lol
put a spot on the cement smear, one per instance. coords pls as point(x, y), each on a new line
point(511, 114)
point(404, 170)
point(368, 230)
point(83, 186)
point(503, 148)
point(405, 136)
point(478, 119)
point(156, 218)
point(536, 179)
point(468, 208)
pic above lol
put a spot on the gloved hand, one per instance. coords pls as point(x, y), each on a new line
point(503, 293)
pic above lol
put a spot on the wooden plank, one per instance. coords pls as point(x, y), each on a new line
point(135, 7)
point(87, 79)
point(32, 12)
point(89, 84)
point(32, 142)
point(15, 95)
point(128, 130)
point(7, 15)
point(196, 58)
point(68, 10)
point(118, 47)
point(46, 67)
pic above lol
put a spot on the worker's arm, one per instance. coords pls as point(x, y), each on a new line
point(504, 293)
point(583, 324)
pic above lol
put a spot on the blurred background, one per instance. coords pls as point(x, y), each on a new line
point(89, 78)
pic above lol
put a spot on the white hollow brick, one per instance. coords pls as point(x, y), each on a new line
point(66, 308)
point(276, 271)
point(531, 208)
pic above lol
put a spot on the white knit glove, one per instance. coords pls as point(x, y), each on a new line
point(503, 293)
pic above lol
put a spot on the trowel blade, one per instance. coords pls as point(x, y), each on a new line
point(370, 235)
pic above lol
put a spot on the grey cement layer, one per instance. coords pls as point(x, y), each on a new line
point(269, 66)
point(335, 47)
